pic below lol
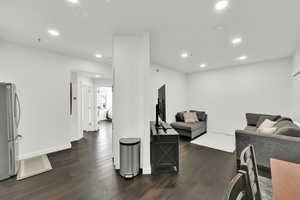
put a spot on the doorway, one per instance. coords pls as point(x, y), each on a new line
point(103, 105)
point(91, 110)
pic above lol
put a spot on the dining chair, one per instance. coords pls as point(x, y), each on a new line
point(237, 189)
point(248, 164)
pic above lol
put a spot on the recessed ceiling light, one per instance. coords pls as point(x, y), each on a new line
point(242, 58)
point(98, 55)
point(221, 5)
point(219, 28)
point(185, 55)
point(97, 76)
point(236, 40)
point(73, 1)
point(53, 32)
point(203, 65)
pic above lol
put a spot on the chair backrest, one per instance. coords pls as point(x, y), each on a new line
point(237, 189)
point(248, 164)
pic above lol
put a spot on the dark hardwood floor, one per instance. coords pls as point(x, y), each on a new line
point(86, 173)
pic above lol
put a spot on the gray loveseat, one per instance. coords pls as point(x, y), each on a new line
point(190, 130)
point(284, 144)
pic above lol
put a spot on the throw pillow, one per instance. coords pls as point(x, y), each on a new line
point(262, 118)
point(267, 124)
point(200, 114)
point(179, 116)
point(190, 117)
point(266, 130)
point(252, 118)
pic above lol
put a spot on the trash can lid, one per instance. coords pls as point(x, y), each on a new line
point(130, 141)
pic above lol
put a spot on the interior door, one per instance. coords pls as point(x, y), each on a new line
point(86, 108)
point(89, 108)
point(83, 107)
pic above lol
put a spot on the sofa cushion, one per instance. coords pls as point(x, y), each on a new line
point(287, 127)
point(266, 130)
point(179, 116)
point(200, 114)
point(285, 123)
point(188, 126)
point(251, 128)
point(267, 124)
point(284, 119)
point(261, 119)
point(252, 118)
point(190, 117)
point(289, 131)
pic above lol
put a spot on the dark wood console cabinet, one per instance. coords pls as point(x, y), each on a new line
point(164, 148)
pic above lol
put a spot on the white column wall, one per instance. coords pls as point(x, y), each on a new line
point(296, 86)
point(131, 94)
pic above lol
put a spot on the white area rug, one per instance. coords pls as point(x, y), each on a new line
point(219, 141)
point(34, 166)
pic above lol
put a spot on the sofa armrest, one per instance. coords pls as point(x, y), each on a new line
point(268, 146)
point(205, 118)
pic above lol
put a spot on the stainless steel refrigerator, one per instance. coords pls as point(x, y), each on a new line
point(9, 122)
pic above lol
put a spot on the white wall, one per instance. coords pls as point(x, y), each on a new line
point(296, 86)
point(83, 80)
point(176, 83)
point(42, 80)
point(227, 94)
point(176, 93)
point(296, 98)
point(296, 61)
point(103, 82)
point(131, 93)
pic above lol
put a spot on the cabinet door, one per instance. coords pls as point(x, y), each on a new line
point(166, 153)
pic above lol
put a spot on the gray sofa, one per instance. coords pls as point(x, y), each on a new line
point(284, 144)
point(190, 130)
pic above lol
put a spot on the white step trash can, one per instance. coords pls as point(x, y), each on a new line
point(129, 157)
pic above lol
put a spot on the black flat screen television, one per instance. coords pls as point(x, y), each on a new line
point(161, 106)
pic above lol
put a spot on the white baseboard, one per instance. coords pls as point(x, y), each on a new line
point(147, 171)
point(45, 151)
point(221, 132)
point(74, 139)
point(117, 166)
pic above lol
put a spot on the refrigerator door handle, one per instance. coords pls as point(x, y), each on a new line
point(11, 159)
point(19, 110)
point(19, 137)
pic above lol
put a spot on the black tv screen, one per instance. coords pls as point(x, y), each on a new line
point(162, 103)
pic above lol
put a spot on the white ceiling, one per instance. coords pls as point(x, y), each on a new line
point(270, 28)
